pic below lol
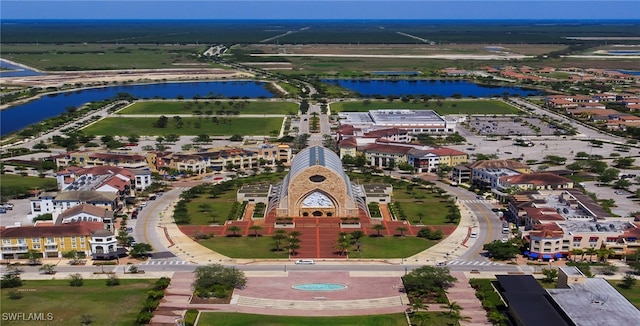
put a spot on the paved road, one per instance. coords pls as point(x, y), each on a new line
point(145, 228)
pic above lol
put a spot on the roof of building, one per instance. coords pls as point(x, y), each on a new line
point(86, 196)
point(444, 151)
point(387, 132)
point(537, 179)
point(102, 233)
point(498, 164)
point(70, 229)
point(543, 214)
point(87, 209)
point(526, 298)
point(118, 156)
point(595, 302)
point(588, 202)
point(387, 149)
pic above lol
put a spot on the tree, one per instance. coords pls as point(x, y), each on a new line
point(34, 257)
point(501, 250)
point(428, 281)
point(86, 319)
point(234, 229)
point(609, 175)
point(550, 275)
point(48, 268)
point(591, 251)
point(609, 269)
point(453, 307)
point(342, 245)
point(217, 280)
point(11, 279)
point(402, 230)
point(255, 229)
point(378, 228)
point(113, 280)
point(140, 250)
point(604, 253)
point(628, 281)
point(278, 236)
point(124, 239)
point(623, 162)
point(576, 252)
point(161, 122)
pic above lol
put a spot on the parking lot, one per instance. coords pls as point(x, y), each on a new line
point(510, 126)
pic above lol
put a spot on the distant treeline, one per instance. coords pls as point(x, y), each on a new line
point(309, 32)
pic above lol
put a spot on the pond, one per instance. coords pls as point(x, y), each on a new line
point(19, 117)
point(445, 88)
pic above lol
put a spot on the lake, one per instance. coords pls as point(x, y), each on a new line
point(16, 71)
point(446, 88)
point(19, 117)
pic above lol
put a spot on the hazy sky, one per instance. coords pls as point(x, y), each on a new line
point(320, 9)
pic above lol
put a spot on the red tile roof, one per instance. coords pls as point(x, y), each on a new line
point(71, 229)
point(444, 151)
point(388, 149)
point(84, 208)
point(537, 179)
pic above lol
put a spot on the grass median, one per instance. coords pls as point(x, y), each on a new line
point(210, 107)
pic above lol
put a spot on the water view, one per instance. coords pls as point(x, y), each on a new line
point(11, 70)
point(446, 88)
point(18, 117)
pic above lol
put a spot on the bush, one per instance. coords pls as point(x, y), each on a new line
point(143, 317)
point(190, 317)
point(15, 295)
point(113, 281)
point(162, 283)
point(10, 280)
point(76, 280)
point(155, 295)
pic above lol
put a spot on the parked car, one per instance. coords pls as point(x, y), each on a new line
point(143, 204)
point(305, 262)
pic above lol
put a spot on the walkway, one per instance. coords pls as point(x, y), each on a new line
point(464, 295)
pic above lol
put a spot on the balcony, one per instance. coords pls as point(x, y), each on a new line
point(14, 250)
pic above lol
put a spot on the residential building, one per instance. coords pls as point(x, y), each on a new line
point(49, 241)
point(56, 203)
point(86, 212)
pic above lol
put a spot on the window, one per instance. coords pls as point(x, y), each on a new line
point(73, 246)
point(576, 244)
point(73, 239)
point(36, 246)
point(35, 240)
point(51, 240)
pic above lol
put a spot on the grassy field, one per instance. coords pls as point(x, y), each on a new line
point(115, 305)
point(391, 247)
point(244, 247)
point(447, 107)
point(210, 107)
point(192, 127)
point(232, 319)
point(55, 57)
point(15, 185)
point(632, 294)
point(219, 207)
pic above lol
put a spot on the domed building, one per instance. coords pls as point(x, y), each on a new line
point(317, 186)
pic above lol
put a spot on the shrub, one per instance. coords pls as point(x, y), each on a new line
point(76, 280)
point(155, 295)
point(143, 317)
point(113, 281)
point(11, 280)
point(162, 283)
point(190, 317)
point(15, 295)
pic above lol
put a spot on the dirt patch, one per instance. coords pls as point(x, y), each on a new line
point(197, 300)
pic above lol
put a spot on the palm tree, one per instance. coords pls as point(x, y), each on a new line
point(454, 308)
point(378, 228)
point(591, 251)
point(294, 243)
point(255, 229)
point(576, 252)
point(234, 229)
point(402, 230)
point(356, 235)
point(343, 244)
point(278, 237)
point(48, 268)
point(604, 253)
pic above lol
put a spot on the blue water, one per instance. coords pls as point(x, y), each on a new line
point(16, 71)
point(21, 116)
point(319, 287)
point(623, 52)
point(444, 88)
point(395, 73)
point(630, 72)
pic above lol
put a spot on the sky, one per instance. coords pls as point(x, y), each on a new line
point(320, 9)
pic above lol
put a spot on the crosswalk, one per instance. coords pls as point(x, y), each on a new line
point(474, 201)
point(165, 262)
point(472, 263)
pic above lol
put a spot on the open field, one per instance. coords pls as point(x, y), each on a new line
point(448, 106)
point(632, 294)
point(192, 127)
point(233, 319)
point(58, 57)
point(210, 107)
point(17, 185)
point(107, 305)
point(245, 247)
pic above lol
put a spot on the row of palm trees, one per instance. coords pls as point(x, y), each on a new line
point(603, 253)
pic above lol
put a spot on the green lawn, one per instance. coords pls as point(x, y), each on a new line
point(448, 106)
point(231, 319)
point(192, 127)
point(632, 294)
point(210, 107)
point(90, 56)
point(12, 185)
point(244, 247)
point(115, 305)
point(391, 247)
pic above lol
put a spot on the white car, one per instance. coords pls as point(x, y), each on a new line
point(305, 262)
point(143, 204)
point(473, 235)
